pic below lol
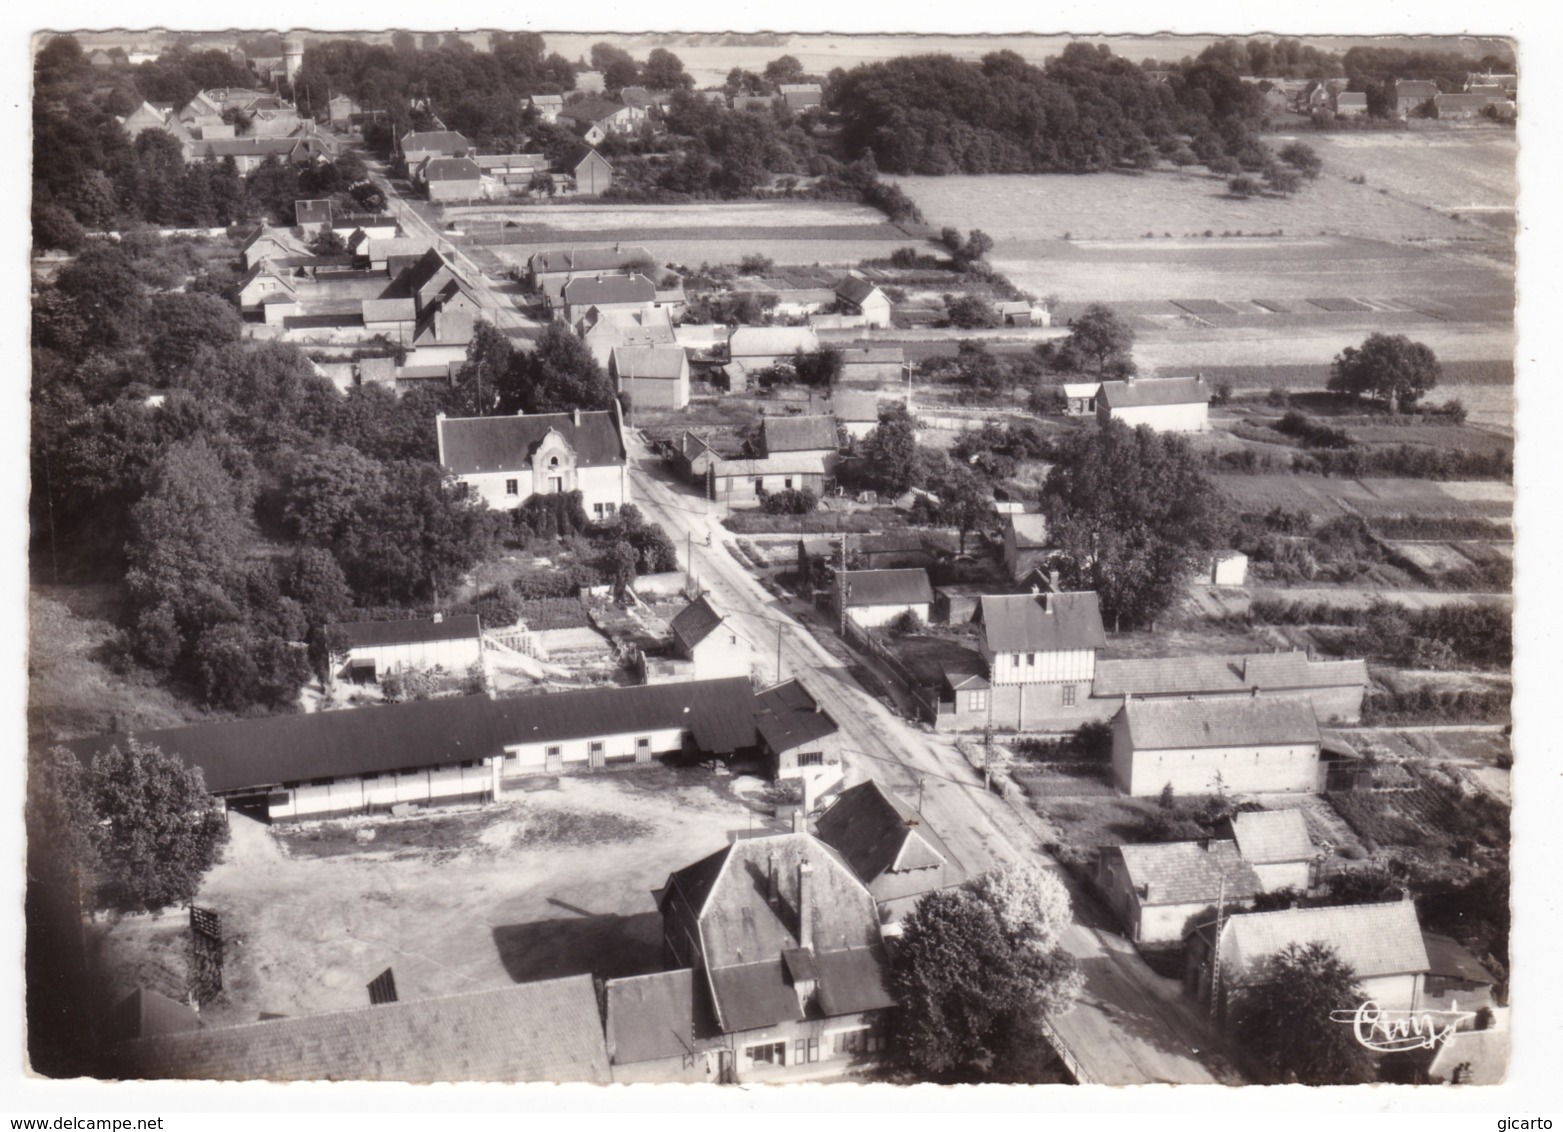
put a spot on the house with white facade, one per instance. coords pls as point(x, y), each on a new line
point(653, 377)
point(877, 597)
point(710, 642)
point(1038, 652)
point(1025, 543)
point(1166, 404)
point(797, 738)
point(857, 296)
point(1335, 688)
point(1267, 745)
point(375, 648)
point(752, 348)
point(1276, 844)
point(1161, 892)
point(506, 460)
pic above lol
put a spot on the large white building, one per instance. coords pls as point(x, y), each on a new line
point(375, 648)
point(1166, 404)
point(1264, 744)
point(507, 460)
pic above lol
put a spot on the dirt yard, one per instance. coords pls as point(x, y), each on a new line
point(556, 880)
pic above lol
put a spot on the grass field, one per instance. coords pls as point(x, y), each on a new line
point(1447, 167)
point(1325, 496)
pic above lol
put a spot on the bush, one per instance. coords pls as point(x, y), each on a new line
point(789, 501)
point(1279, 397)
point(755, 265)
point(907, 622)
point(1310, 432)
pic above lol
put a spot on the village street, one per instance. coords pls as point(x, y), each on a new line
point(1130, 1026)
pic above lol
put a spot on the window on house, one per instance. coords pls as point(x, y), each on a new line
point(610, 508)
point(597, 510)
point(978, 701)
point(553, 752)
point(1031, 660)
point(553, 461)
point(787, 482)
point(595, 749)
point(812, 758)
point(512, 487)
point(850, 1041)
point(759, 483)
point(805, 1049)
point(1069, 695)
point(766, 1053)
point(643, 742)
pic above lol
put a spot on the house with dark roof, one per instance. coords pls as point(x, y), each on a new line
point(1025, 543)
point(559, 265)
point(1162, 892)
point(545, 1031)
point(710, 642)
point(1259, 745)
point(1412, 94)
point(661, 1028)
point(547, 106)
point(752, 348)
point(1166, 404)
point(873, 598)
point(801, 96)
point(1335, 687)
point(1456, 979)
point(1351, 104)
point(606, 293)
point(270, 243)
point(1382, 943)
point(1038, 652)
point(374, 648)
point(653, 377)
point(507, 460)
point(858, 297)
point(449, 178)
point(798, 738)
point(813, 436)
point(1276, 844)
point(457, 749)
point(890, 847)
point(588, 171)
point(784, 942)
point(311, 216)
point(417, 147)
point(261, 282)
point(593, 119)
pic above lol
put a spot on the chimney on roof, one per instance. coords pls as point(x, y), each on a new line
point(577, 418)
point(805, 908)
point(770, 878)
point(1150, 892)
point(799, 822)
point(1052, 581)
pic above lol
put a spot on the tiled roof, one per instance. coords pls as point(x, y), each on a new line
point(720, 713)
point(1259, 721)
point(1191, 675)
point(442, 141)
point(312, 212)
point(695, 622)
point(451, 169)
point(888, 844)
point(609, 289)
point(1041, 622)
point(786, 716)
point(1415, 88)
point(886, 587)
point(1448, 959)
point(650, 1017)
point(789, 463)
point(1268, 836)
point(855, 405)
point(770, 341)
point(1154, 391)
point(854, 289)
point(546, 1031)
point(798, 434)
point(1188, 872)
point(592, 110)
point(649, 362)
point(1030, 531)
point(1374, 939)
point(498, 444)
point(373, 634)
point(389, 310)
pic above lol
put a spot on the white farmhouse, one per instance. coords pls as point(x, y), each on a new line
point(1166, 404)
point(507, 460)
point(1264, 744)
point(375, 648)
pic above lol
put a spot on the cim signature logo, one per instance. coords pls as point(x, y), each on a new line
point(1391, 1031)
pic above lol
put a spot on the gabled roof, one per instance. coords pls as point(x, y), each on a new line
point(1030, 531)
point(1192, 675)
point(695, 622)
point(1188, 872)
point(448, 142)
point(855, 289)
point(586, 260)
point(786, 716)
point(592, 110)
point(422, 630)
point(767, 341)
point(667, 362)
point(1257, 721)
point(1374, 939)
point(798, 434)
point(886, 587)
point(887, 843)
point(451, 169)
point(856, 406)
point(1041, 622)
point(390, 310)
point(1447, 959)
point(1154, 391)
point(1415, 88)
point(1271, 836)
point(545, 1031)
point(1351, 98)
point(651, 1017)
point(605, 289)
point(279, 236)
point(472, 445)
point(583, 155)
point(311, 212)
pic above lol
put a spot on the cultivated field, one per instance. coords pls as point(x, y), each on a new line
point(1451, 168)
point(556, 882)
point(1372, 498)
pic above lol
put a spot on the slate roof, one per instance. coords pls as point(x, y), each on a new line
point(311, 212)
point(422, 630)
point(786, 717)
point(470, 445)
point(390, 310)
point(651, 1017)
point(886, 587)
point(798, 434)
point(1041, 622)
point(1188, 872)
point(744, 936)
point(887, 843)
point(856, 406)
point(1415, 88)
point(1447, 959)
point(1270, 836)
point(545, 1031)
point(1462, 101)
point(451, 169)
point(1144, 392)
point(1374, 939)
point(1351, 98)
point(1260, 721)
point(1030, 531)
point(854, 289)
point(770, 341)
point(649, 362)
point(1192, 675)
point(259, 753)
point(695, 622)
point(609, 289)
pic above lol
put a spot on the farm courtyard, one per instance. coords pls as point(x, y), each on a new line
point(556, 879)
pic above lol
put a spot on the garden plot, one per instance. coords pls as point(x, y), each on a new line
point(1371, 498)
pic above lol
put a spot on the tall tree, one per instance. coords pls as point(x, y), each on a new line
point(159, 830)
point(558, 376)
point(890, 451)
point(486, 372)
point(1281, 1014)
point(1100, 334)
point(1133, 515)
point(1390, 367)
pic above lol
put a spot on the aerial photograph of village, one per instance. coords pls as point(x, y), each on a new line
point(755, 558)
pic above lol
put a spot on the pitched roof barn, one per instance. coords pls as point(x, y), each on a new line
point(1143, 392)
point(601, 290)
point(886, 587)
point(1160, 725)
point(421, 630)
point(798, 434)
point(1374, 939)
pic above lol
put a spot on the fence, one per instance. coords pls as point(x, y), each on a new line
point(865, 641)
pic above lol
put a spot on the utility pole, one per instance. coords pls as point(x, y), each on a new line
point(921, 782)
point(842, 586)
point(1215, 950)
point(778, 651)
